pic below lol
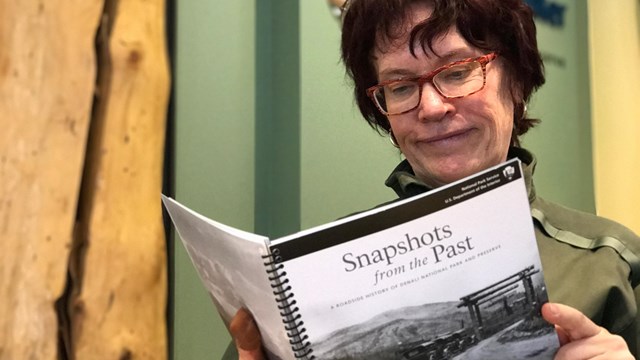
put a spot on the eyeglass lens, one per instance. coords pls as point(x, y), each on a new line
point(455, 81)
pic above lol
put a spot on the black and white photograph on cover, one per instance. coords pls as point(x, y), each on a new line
point(499, 321)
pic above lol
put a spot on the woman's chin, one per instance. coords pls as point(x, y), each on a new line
point(443, 177)
point(445, 170)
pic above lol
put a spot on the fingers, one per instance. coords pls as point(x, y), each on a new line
point(570, 323)
point(580, 338)
point(599, 347)
point(246, 336)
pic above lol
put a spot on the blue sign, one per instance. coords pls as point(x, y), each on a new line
point(548, 11)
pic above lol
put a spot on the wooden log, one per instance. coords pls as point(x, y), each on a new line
point(47, 77)
point(118, 305)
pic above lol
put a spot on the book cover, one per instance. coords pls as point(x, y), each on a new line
point(451, 274)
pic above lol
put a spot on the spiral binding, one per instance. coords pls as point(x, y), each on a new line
point(293, 324)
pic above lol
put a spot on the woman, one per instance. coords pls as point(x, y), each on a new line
point(448, 81)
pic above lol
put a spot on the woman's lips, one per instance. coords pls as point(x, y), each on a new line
point(448, 137)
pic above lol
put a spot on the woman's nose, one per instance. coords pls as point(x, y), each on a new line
point(433, 106)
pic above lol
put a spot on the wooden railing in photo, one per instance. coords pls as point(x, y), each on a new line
point(83, 100)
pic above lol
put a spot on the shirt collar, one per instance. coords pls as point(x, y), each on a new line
point(405, 183)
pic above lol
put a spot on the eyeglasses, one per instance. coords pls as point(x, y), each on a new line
point(458, 79)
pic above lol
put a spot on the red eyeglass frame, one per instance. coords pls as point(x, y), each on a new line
point(428, 78)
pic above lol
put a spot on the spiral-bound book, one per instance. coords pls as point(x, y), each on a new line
point(453, 273)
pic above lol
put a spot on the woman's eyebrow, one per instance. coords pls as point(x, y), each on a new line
point(455, 55)
point(394, 73)
point(442, 59)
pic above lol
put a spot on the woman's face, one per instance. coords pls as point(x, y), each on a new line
point(444, 139)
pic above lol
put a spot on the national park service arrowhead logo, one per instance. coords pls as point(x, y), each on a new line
point(508, 172)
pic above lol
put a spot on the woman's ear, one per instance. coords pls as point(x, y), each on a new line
point(336, 7)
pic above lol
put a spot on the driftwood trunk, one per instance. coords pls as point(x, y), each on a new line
point(115, 303)
point(47, 77)
point(118, 301)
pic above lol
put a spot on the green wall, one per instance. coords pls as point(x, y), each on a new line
point(562, 142)
point(343, 161)
point(214, 148)
point(268, 138)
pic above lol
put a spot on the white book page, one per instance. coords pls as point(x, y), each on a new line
point(230, 264)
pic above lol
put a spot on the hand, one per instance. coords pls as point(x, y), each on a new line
point(246, 336)
point(580, 338)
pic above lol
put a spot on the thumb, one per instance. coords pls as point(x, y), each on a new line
point(245, 333)
point(570, 323)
